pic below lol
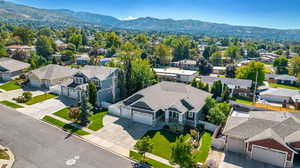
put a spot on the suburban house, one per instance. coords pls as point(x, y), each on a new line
point(281, 79)
point(267, 136)
point(174, 74)
point(219, 70)
point(186, 64)
point(24, 48)
point(83, 59)
point(282, 96)
point(105, 79)
point(50, 75)
point(241, 87)
point(10, 68)
point(167, 102)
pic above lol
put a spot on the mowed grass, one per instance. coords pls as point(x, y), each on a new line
point(242, 101)
point(65, 126)
point(162, 142)
point(202, 154)
point(4, 155)
point(150, 162)
point(11, 85)
point(40, 98)
point(10, 104)
point(284, 86)
point(96, 120)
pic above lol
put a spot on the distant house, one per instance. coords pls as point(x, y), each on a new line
point(282, 79)
point(26, 49)
point(61, 45)
point(83, 59)
point(105, 61)
point(267, 136)
point(174, 74)
point(267, 58)
point(168, 102)
point(105, 79)
point(280, 95)
point(219, 70)
point(10, 68)
point(49, 75)
point(241, 87)
point(186, 64)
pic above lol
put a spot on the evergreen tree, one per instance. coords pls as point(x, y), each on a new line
point(92, 93)
point(86, 108)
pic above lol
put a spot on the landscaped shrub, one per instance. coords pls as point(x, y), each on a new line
point(26, 96)
point(74, 113)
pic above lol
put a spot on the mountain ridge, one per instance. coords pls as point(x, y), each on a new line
point(15, 13)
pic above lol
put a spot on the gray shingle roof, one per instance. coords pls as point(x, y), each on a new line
point(284, 127)
point(100, 72)
point(228, 81)
point(53, 71)
point(165, 95)
point(12, 65)
point(281, 77)
point(280, 92)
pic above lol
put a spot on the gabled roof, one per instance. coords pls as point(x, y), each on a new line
point(228, 81)
point(100, 72)
point(53, 71)
point(281, 92)
point(12, 65)
point(168, 95)
point(283, 127)
point(281, 77)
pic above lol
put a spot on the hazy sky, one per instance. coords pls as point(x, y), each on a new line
point(264, 13)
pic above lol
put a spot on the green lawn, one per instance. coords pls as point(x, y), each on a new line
point(150, 162)
point(11, 85)
point(162, 142)
point(40, 98)
point(63, 113)
point(10, 104)
point(243, 101)
point(3, 155)
point(202, 154)
point(96, 121)
point(65, 126)
point(283, 86)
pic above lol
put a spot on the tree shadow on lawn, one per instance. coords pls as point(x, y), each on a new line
point(170, 136)
point(71, 129)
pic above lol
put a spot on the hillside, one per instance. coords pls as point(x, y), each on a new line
point(20, 14)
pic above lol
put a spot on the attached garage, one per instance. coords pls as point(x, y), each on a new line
point(141, 117)
point(235, 145)
point(268, 155)
point(114, 110)
point(35, 83)
point(125, 112)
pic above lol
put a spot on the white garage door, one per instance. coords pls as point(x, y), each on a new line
point(35, 83)
point(269, 156)
point(114, 110)
point(235, 145)
point(126, 113)
point(144, 118)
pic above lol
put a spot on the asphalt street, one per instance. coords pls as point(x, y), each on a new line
point(38, 145)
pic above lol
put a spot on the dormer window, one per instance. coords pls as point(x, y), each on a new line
point(78, 80)
point(96, 82)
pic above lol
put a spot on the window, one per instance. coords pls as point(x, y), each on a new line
point(78, 80)
point(191, 115)
point(96, 82)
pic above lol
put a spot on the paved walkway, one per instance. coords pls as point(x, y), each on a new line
point(157, 158)
point(7, 163)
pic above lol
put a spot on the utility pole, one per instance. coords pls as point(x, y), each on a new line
point(254, 92)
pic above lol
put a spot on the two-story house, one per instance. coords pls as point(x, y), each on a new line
point(105, 79)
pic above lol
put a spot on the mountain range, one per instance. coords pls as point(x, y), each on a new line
point(21, 14)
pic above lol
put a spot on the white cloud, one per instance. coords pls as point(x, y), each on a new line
point(129, 18)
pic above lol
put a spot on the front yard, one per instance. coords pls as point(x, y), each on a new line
point(243, 101)
point(65, 126)
point(11, 85)
point(40, 98)
point(202, 154)
point(96, 120)
point(10, 104)
point(151, 162)
point(284, 86)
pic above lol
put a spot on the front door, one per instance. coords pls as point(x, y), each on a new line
point(173, 116)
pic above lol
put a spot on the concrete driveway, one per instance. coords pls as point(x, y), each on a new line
point(9, 95)
point(41, 109)
point(118, 134)
point(234, 160)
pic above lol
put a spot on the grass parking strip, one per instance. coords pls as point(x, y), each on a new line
point(151, 162)
point(65, 126)
point(10, 104)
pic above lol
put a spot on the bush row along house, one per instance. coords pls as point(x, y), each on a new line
point(167, 102)
point(71, 82)
point(268, 136)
